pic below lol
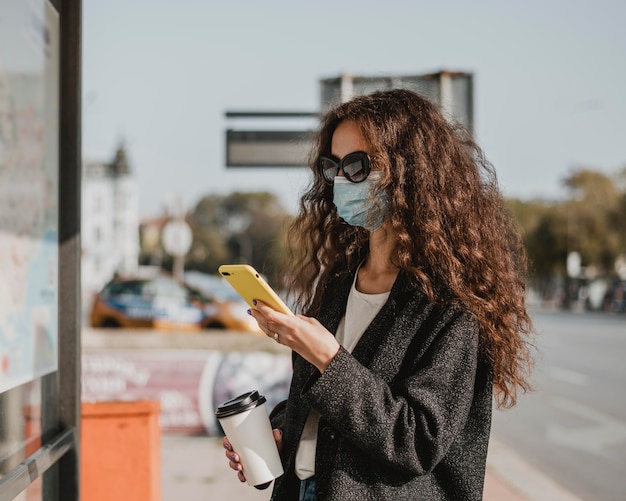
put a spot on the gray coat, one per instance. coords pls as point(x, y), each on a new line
point(406, 416)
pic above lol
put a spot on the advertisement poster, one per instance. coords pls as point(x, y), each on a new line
point(189, 384)
point(29, 113)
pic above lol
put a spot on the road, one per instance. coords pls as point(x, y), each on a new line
point(572, 427)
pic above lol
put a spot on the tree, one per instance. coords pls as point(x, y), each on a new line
point(209, 248)
point(618, 217)
point(236, 228)
point(590, 221)
point(593, 218)
point(543, 226)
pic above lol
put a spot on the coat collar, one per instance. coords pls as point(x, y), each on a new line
point(334, 308)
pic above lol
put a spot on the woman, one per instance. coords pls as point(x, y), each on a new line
point(410, 273)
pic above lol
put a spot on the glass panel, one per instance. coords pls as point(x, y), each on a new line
point(20, 424)
point(28, 192)
point(29, 183)
point(33, 492)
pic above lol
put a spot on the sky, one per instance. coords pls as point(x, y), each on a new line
point(159, 75)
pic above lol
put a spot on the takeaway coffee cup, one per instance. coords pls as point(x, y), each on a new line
point(247, 425)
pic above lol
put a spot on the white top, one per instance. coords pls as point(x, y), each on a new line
point(360, 311)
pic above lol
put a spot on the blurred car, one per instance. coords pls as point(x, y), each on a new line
point(162, 302)
point(214, 286)
point(217, 287)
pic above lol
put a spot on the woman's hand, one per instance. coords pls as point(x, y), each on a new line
point(234, 461)
point(304, 335)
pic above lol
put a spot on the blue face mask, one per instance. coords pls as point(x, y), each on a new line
point(355, 205)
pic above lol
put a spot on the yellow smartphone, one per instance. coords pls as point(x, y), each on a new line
point(250, 285)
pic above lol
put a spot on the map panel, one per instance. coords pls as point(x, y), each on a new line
point(29, 114)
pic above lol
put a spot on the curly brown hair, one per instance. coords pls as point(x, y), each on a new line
point(454, 235)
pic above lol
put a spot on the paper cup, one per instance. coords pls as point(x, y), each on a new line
point(247, 425)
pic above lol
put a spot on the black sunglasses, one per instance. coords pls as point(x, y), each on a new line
point(355, 166)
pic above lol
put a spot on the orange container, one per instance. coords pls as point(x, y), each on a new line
point(120, 451)
point(32, 429)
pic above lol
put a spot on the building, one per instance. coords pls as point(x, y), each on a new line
point(110, 222)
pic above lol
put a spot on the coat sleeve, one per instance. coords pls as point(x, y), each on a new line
point(410, 423)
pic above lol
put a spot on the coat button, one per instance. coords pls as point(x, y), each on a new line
point(328, 433)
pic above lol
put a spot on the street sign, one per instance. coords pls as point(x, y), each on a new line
point(574, 264)
point(267, 148)
point(177, 238)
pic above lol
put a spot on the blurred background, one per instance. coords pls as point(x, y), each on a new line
point(159, 79)
point(181, 103)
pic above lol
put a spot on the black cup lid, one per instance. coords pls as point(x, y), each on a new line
point(242, 403)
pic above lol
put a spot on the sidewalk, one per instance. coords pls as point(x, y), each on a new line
point(195, 469)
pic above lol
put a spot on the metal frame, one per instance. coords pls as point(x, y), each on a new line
point(40, 462)
point(271, 114)
point(70, 163)
point(58, 460)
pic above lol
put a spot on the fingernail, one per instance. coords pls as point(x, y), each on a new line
point(234, 458)
point(254, 302)
point(249, 312)
point(227, 447)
